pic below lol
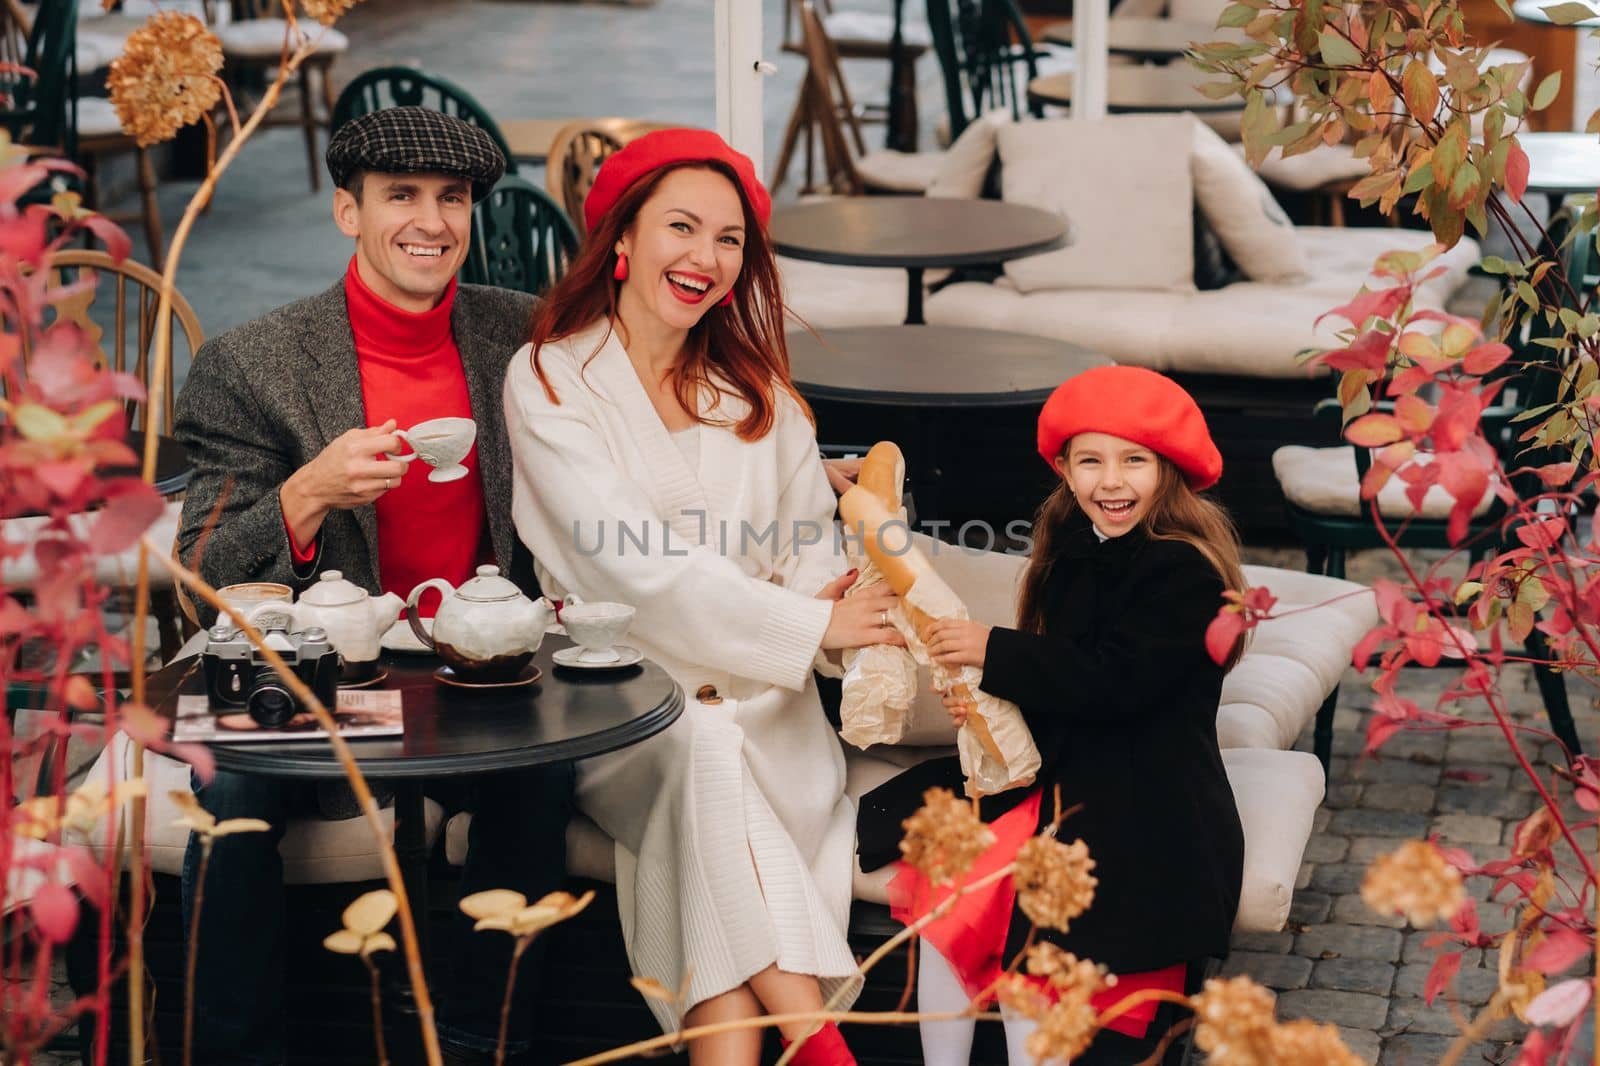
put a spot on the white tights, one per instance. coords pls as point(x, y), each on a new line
point(949, 1043)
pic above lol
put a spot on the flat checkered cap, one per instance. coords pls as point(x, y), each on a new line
point(416, 140)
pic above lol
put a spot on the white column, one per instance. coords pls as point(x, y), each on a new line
point(738, 44)
point(1089, 55)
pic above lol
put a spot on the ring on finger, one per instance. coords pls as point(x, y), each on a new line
point(883, 619)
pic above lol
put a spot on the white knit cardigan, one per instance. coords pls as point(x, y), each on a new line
point(734, 838)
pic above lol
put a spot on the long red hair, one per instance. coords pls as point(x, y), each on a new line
point(743, 343)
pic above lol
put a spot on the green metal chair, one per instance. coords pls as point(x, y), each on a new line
point(381, 87)
point(1533, 375)
point(983, 48)
point(40, 108)
point(521, 239)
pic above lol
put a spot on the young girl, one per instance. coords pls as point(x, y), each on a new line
point(1109, 666)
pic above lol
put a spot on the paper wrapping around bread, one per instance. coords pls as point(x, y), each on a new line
point(997, 750)
point(880, 681)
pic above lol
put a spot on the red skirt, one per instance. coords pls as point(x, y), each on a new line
point(973, 935)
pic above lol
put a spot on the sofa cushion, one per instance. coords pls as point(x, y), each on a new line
point(263, 38)
point(1129, 211)
point(822, 295)
point(1246, 725)
point(1250, 329)
point(1277, 793)
point(901, 172)
point(1327, 165)
point(964, 167)
point(1324, 481)
point(315, 850)
point(1239, 208)
point(120, 570)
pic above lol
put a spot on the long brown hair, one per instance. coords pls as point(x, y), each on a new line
point(1177, 513)
point(743, 342)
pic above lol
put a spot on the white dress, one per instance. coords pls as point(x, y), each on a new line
point(734, 839)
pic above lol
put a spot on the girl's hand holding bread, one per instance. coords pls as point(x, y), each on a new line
point(957, 642)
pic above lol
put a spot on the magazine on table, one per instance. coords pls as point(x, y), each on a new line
point(358, 713)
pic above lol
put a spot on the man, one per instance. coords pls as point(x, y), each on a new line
point(289, 421)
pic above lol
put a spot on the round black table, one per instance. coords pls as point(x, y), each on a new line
point(915, 233)
point(450, 732)
point(1142, 38)
point(172, 464)
point(1140, 90)
point(936, 372)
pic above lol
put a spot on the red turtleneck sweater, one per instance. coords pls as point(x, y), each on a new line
point(411, 371)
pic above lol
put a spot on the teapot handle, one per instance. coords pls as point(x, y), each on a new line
point(446, 590)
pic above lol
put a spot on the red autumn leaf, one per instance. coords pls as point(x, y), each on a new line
point(1555, 475)
point(1374, 431)
point(1370, 351)
point(1441, 975)
point(1465, 920)
point(1536, 1049)
point(1485, 357)
point(1223, 633)
point(198, 756)
point(1415, 415)
point(88, 876)
point(1557, 951)
point(116, 240)
point(1560, 1004)
point(80, 694)
point(1391, 599)
point(142, 724)
point(1544, 533)
point(1260, 600)
point(55, 911)
point(124, 519)
point(1379, 730)
point(1516, 172)
point(1374, 302)
point(1366, 646)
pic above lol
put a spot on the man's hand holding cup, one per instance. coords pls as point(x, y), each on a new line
point(352, 471)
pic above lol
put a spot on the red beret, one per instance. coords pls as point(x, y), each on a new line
point(1134, 404)
point(664, 148)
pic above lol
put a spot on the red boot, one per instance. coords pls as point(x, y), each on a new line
point(826, 1047)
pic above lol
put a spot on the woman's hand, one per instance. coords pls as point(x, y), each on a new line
point(842, 474)
point(957, 642)
point(956, 706)
point(861, 619)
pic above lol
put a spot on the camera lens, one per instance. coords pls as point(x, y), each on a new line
point(269, 702)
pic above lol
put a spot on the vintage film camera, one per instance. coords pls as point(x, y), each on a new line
point(237, 676)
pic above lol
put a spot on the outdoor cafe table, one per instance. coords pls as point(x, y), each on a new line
point(1561, 164)
point(1132, 90)
point(914, 233)
point(453, 732)
point(1533, 11)
point(1142, 38)
point(939, 374)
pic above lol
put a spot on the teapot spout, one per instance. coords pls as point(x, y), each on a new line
point(544, 615)
point(386, 609)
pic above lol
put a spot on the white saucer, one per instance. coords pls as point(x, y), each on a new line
point(448, 473)
point(399, 637)
point(569, 657)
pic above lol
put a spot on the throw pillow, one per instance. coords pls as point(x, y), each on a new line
point(1124, 190)
point(965, 165)
point(1240, 209)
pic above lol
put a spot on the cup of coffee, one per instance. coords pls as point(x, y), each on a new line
point(441, 443)
point(596, 627)
point(247, 596)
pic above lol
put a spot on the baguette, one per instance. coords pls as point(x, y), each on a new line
point(886, 539)
point(883, 473)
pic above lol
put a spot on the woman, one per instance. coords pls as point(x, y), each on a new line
point(664, 459)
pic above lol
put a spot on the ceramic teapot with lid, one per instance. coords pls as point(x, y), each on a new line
point(486, 630)
point(354, 619)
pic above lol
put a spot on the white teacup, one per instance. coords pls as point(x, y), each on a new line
point(596, 627)
point(441, 443)
point(247, 596)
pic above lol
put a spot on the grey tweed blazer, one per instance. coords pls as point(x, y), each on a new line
point(263, 399)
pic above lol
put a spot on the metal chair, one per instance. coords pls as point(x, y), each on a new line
point(980, 45)
point(576, 155)
point(521, 239)
point(382, 87)
point(38, 106)
point(1345, 523)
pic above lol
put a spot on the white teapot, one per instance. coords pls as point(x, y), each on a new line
point(354, 620)
point(486, 630)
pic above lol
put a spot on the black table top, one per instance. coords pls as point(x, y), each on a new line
point(933, 366)
point(914, 231)
point(1131, 90)
point(172, 464)
point(1562, 162)
point(566, 714)
point(1151, 38)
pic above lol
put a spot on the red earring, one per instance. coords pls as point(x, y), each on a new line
point(727, 298)
point(621, 271)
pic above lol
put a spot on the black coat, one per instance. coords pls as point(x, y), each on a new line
point(1121, 698)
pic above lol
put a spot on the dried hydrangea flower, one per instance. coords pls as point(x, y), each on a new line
point(328, 12)
point(1053, 881)
point(1414, 880)
point(1305, 1043)
point(1234, 1024)
point(166, 77)
point(944, 838)
point(1064, 1031)
point(1021, 996)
